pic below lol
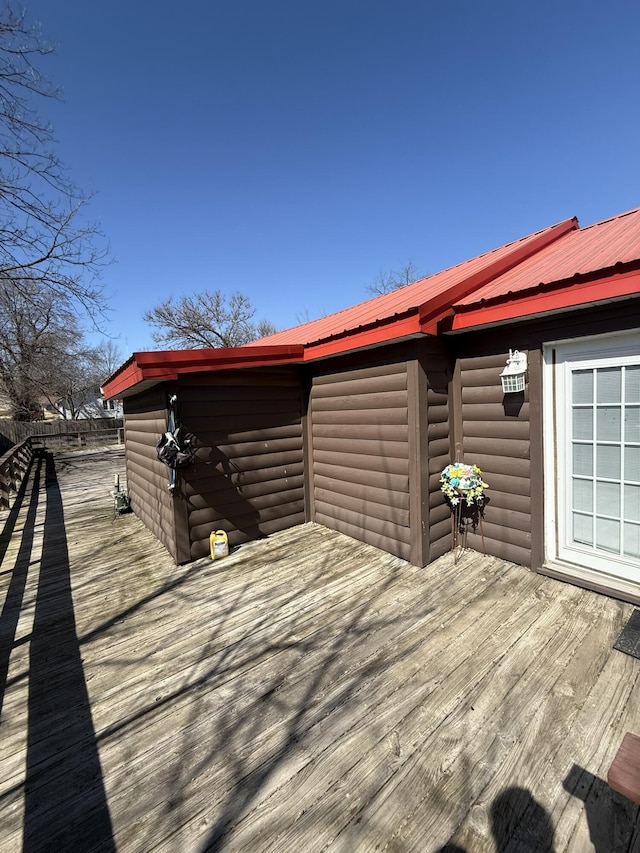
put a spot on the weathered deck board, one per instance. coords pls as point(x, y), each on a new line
point(307, 693)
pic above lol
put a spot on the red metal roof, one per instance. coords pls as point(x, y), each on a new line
point(587, 266)
point(545, 301)
point(558, 268)
point(427, 296)
point(582, 252)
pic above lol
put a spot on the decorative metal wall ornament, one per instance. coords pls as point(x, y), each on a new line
point(175, 447)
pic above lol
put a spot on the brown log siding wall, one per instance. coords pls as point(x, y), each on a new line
point(437, 367)
point(145, 419)
point(360, 454)
point(248, 479)
point(503, 433)
point(494, 431)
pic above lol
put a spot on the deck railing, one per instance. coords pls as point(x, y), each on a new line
point(73, 438)
point(14, 466)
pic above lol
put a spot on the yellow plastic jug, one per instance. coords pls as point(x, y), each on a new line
point(218, 544)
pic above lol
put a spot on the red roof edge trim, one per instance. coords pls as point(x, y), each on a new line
point(378, 333)
point(401, 316)
point(607, 273)
point(543, 301)
point(166, 365)
point(435, 309)
point(127, 376)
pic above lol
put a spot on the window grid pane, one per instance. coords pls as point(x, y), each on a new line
point(632, 540)
point(605, 418)
point(608, 535)
point(608, 423)
point(609, 385)
point(631, 424)
point(632, 503)
point(582, 495)
point(582, 387)
point(608, 461)
point(582, 529)
point(632, 384)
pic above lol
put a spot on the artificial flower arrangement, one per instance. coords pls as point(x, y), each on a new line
point(463, 481)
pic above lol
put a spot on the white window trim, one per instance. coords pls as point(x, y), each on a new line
point(590, 351)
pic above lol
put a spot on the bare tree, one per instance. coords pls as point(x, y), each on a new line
point(384, 281)
point(76, 393)
point(43, 238)
point(44, 356)
point(264, 328)
point(37, 330)
point(207, 319)
point(108, 357)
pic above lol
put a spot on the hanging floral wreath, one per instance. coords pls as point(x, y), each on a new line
point(459, 481)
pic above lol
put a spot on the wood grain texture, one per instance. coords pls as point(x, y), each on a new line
point(307, 693)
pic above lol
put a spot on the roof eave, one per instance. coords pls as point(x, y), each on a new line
point(433, 311)
point(543, 300)
point(391, 329)
point(167, 365)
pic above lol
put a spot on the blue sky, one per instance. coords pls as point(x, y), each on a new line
point(291, 150)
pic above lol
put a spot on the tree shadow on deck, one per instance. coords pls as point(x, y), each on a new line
point(263, 693)
point(310, 708)
point(65, 800)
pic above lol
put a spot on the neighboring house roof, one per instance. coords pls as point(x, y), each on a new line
point(561, 267)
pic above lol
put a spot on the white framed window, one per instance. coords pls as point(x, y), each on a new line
point(592, 453)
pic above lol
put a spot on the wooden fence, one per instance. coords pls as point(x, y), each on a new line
point(56, 435)
point(87, 438)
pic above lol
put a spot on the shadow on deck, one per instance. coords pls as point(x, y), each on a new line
point(65, 803)
point(306, 693)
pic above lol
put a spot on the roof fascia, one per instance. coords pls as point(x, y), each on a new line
point(434, 310)
point(374, 335)
point(164, 366)
point(570, 295)
point(130, 374)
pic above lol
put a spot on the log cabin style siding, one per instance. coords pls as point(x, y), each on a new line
point(435, 363)
point(377, 438)
point(248, 477)
point(503, 433)
point(145, 420)
point(359, 437)
point(493, 430)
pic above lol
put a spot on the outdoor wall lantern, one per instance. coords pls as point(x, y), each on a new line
point(512, 377)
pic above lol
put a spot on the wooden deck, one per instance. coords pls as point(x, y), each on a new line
point(306, 693)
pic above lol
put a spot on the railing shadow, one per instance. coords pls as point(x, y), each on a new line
point(15, 594)
point(66, 806)
point(65, 800)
